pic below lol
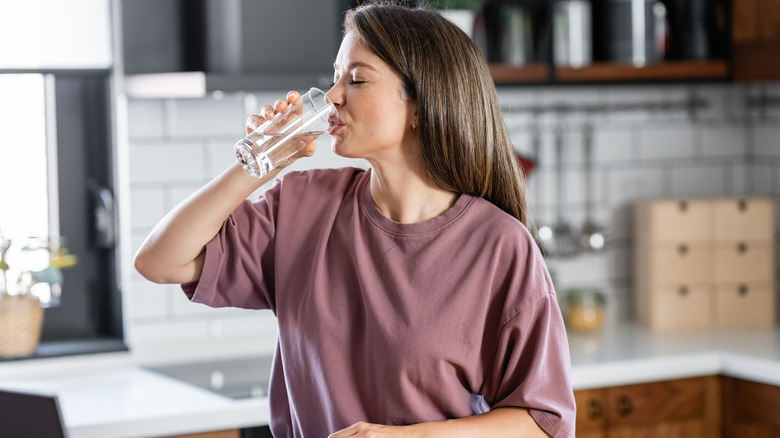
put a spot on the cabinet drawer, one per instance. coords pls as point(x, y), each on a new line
point(679, 221)
point(744, 219)
point(682, 263)
point(652, 404)
point(681, 307)
point(742, 262)
point(591, 411)
point(744, 305)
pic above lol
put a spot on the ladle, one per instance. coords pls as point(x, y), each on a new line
point(592, 236)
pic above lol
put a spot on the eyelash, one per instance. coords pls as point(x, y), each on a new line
point(350, 82)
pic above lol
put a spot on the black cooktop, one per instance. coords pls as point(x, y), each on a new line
point(234, 378)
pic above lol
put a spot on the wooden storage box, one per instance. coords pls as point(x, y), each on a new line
point(702, 263)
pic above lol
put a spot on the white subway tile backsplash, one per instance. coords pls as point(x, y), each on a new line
point(612, 145)
point(725, 149)
point(204, 117)
point(628, 184)
point(767, 139)
point(722, 140)
point(762, 178)
point(666, 143)
point(698, 181)
point(166, 162)
point(146, 117)
point(147, 300)
point(147, 207)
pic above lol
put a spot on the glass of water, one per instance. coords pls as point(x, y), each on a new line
point(278, 139)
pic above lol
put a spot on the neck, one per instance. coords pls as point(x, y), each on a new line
point(406, 195)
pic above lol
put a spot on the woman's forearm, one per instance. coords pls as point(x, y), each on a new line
point(500, 422)
point(173, 251)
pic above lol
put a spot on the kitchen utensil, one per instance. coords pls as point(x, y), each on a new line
point(637, 31)
point(572, 34)
point(564, 237)
point(542, 234)
point(592, 234)
point(517, 37)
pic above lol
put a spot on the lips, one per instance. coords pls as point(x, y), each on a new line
point(334, 123)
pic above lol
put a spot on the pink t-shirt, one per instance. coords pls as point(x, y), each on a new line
point(391, 323)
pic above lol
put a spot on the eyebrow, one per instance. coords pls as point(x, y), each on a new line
point(356, 64)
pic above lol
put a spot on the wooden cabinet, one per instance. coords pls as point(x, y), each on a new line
point(750, 409)
point(755, 33)
point(688, 408)
point(704, 263)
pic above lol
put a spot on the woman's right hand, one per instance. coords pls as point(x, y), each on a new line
point(268, 112)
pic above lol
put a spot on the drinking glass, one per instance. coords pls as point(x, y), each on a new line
point(286, 133)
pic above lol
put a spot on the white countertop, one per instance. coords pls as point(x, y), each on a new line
point(108, 396)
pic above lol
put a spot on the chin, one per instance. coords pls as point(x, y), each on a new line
point(339, 148)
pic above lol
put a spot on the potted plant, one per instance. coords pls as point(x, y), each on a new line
point(460, 12)
point(30, 278)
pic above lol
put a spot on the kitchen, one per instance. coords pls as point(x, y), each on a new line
point(703, 134)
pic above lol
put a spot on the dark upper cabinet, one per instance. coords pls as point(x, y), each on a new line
point(229, 45)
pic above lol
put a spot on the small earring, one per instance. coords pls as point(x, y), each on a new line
point(414, 126)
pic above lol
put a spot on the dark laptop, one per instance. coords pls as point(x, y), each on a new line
point(25, 415)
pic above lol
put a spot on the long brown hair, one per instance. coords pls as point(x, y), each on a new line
point(465, 147)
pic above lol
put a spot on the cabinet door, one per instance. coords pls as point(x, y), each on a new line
point(743, 262)
point(679, 307)
point(680, 263)
point(680, 221)
point(756, 36)
point(745, 305)
point(750, 409)
point(738, 220)
point(591, 413)
point(676, 408)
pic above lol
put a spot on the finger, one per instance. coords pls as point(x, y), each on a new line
point(280, 105)
point(293, 97)
point(350, 431)
point(253, 122)
point(267, 111)
point(307, 151)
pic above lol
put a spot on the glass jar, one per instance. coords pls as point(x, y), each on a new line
point(584, 309)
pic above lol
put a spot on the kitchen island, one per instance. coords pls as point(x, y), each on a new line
point(113, 396)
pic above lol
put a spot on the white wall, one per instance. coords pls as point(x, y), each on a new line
point(729, 149)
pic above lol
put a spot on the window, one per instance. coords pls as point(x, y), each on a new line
point(56, 179)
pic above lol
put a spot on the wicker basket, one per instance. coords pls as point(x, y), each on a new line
point(21, 318)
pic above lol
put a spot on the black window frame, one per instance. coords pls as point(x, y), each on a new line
point(80, 114)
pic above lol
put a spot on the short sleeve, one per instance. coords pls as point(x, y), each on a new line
point(239, 265)
point(531, 367)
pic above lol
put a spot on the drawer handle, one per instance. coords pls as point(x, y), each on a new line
point(743, 290)
point(682, 249)
point(742, 247)
point(683, 291)
point(683, 206)
point(624, 406)
point(742, 205)
point(595, 409)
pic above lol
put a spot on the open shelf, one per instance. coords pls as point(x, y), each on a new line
point(511, 74)
point(669, 70)
point(611, 72)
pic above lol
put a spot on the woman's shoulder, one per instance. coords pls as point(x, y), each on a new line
point(320, 182)
point(488, 216)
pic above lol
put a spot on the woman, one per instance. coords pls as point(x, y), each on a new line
point(411, 298)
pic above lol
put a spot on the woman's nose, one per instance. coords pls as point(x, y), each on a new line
point(335, 95)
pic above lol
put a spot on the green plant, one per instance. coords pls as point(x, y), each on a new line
point(472, 5)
